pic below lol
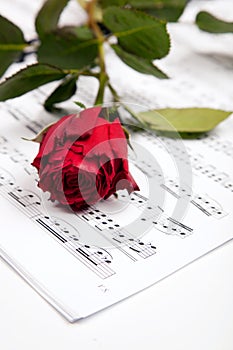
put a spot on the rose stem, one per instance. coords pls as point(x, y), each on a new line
point(103, 77)
point(129, 110)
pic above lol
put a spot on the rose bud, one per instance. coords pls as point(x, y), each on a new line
point(83, 158)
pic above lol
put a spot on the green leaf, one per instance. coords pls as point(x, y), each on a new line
point(69, 48)
point(137, 32)
point(209, 23)
point(108, 3)
point(28, 79)
point(62, 93)
point(183, 135)
point(169, 10)
point(188, 120)
point(83, 33)
point(127, 136)
point(140, 64)
point(48, 16)
point(12, 43)
point(39, 137)
point(80, 104)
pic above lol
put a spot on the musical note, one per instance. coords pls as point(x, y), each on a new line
point(176, 189)
point(157, 217)
point(220, 177)
point(171, 227)
point(138, 246)
point(136, 199)
point(66, 229)
point(6, 178)
point(4, 149)
point(209, 206)
point(219, 145)
point(122, 239)
point(25, 197)
point(3, 140)
point(95, 258)
point(18, 157)
point(144, 250)
point(15, 155)
point(228, 184)
point(147, 168)
point(29, 203)
point(117, 235)
point(212, 173)
point(166, 224)
point(47, 225)
point(103, 288)
point(34, 126)
point(31, 171)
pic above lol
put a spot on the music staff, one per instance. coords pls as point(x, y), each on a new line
point(30, 204)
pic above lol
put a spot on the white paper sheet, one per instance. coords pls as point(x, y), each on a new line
point(86, 262)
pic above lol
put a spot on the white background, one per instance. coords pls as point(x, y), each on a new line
point(192, 309)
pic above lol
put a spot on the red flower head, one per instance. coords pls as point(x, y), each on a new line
point(83, 158)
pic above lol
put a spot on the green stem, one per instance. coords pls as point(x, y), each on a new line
point(128, 109)
point(114, 93)
point(103, 77)
point(135, 116)
point(78, 72)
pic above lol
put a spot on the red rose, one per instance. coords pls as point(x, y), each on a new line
point(83, 158)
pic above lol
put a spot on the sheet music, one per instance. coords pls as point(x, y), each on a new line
point(84, 262)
